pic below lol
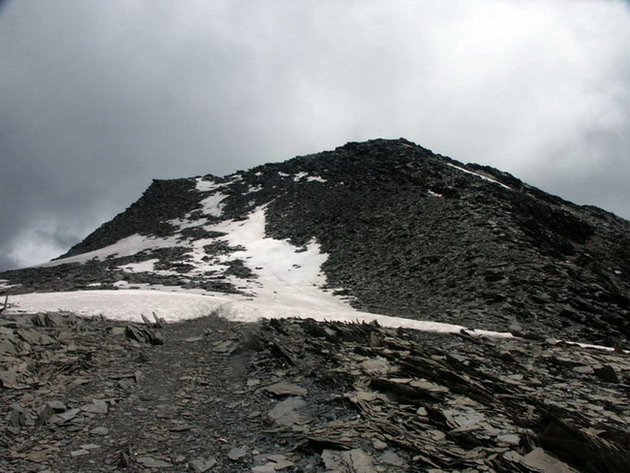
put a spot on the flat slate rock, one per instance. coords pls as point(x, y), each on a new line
point(285, 413)
point(286, 389)
point(202, 464)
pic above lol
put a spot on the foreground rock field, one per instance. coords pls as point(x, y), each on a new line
point(90, 395)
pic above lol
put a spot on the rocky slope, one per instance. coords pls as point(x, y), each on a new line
point(89, 395)
point(407, 233)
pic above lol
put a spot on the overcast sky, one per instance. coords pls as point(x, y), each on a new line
point(99, 97)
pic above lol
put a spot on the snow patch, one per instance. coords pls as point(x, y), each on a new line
point(212, 205)
point(216, 266)
point(315, 179)
point(594, 347)
point(302, 175)
point(205, 186)
point(128, 246)
point(253, 189)
point(128, 305)
point(485, 178)
point(176, 304)
point(4, 284)
point(184, 223)
point(434, 194)
point(141, 267)
point(280, 269)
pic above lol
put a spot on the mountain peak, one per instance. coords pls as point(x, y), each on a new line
point(386, 227)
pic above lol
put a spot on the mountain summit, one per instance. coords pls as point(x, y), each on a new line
point(383, 226)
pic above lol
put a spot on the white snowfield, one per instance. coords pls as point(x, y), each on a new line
point(129, 304)
point(212, 205)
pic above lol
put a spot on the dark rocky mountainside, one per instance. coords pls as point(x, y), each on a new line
point(408, 233)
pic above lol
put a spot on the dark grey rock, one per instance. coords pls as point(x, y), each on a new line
point(286, 413)
point(68, 415)
point(143, 335)
point(100, 431)
point(56, 406)
point(97, 407)
point(202, 464)
point(352, 461)
point(19, 416)
point(286, 389)
point(607, 373)
point(237, 453)
point(150, 462)
point(7, 347)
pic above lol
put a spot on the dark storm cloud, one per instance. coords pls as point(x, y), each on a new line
point(97, 98)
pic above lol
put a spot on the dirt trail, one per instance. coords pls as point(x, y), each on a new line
point(190, 403)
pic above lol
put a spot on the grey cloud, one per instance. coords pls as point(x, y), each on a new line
point(98, 98)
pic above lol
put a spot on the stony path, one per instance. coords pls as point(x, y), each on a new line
point(189, 407)
point(185, 405)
